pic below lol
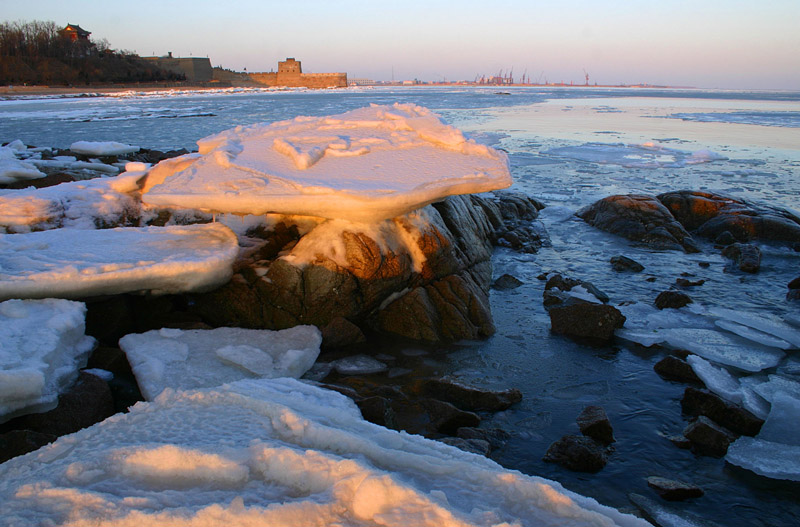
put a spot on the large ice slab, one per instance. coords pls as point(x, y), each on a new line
point(102, 148)
point(767, 458)
point(771, 326)
point(74, 263)
point(13, 169)
point(204, 358)
point(365, 165)
point(273, 452)
point(42, 347)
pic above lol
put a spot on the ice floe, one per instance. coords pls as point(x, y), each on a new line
point(204, 358)
point(770, 326)
point(365, 165)
point(273, 452)
point(74, 263)
point(102, 148)
point(13, 169)
point(42, 347)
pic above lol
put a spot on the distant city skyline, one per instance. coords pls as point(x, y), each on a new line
point(705, 43)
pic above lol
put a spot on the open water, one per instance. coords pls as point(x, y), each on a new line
point(568, 147)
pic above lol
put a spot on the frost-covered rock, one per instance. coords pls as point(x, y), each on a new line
point(273, 452)
point(42, 347)
point(365, 165)
point(172, 358)
point(75, 263)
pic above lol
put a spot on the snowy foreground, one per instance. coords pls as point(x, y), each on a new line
point(272, 452)
point(365, 165)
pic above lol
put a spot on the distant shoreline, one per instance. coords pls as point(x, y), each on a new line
point(7, 90)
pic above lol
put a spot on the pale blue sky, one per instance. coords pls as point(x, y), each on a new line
point(703, 43)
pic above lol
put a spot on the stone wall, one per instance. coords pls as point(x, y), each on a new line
point(195, 69)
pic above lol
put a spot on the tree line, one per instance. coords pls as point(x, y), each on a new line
point(42, 53)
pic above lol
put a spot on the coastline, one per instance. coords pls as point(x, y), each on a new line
point(14, 90)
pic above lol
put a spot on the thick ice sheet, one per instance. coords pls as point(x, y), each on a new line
point(102, 148)
point(767, 458)
point(204, 358)
point(74, 263)
point(365, 165)
point(273, 452)
point(42, 347)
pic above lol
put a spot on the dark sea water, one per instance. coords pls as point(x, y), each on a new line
point(567, 147)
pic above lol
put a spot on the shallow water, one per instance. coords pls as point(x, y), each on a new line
point(567, 147)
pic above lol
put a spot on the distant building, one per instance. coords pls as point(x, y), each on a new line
point(195, 69)
point(290, 74)
point(75, 32)
point(361, 82)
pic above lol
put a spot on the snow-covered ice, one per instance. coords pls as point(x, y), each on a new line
point(273, 452)
point(73, 263)
point(102, 148)
point(13, 169)
point(204, 358)
point(365, 165)
point(42, 347)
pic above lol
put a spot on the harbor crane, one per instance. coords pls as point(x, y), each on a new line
point(586, 75)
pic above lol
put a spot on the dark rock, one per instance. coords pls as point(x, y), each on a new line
point(672, 490)
point(340, 332)
point(496, 437)
point(793, 294)
point(676, 369)
point(578, 453)
point(468, 397)
point(623, 263)
point(18, 442)
point(639, 218)
point(87, 402)
point(704, 265)
point(708, 438)
point(47, 181)
point(593, 422)
point(712, 214)
point(476, 446)
point(672, 299)
point(663, 516)
point(507, 282)
point(562, 283)
point(725, 238)
point(729, 415)
point(794, 284)
point(429, 417)
point(376, 410)
point(746, 256)
point(593, 322)
point(683, 282)
point(109, 319)
point(680, 442)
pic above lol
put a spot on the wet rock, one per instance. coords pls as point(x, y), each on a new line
point(506, 282)
point(430, 417)
point(578, 453)
point(340, 332)
point(708, 438)
point(623, 263)
point(359, 365)
point(594, 323)
point(48, 181)
point(732, 416)
point(672, 490)
point(672, 299)
point(476, 446)
point(794, 284)
point(593, 422)
point(793, 294)
point(87, 402)
point(676, 369)
point(684, 282)
point(376, 410)
point(658, 514)
point(19, 442)
point(468, 397)
point(512, 215)
point(709, 215)
point(680, 442)
point(746, 256)
point(496, 437)
point(640, 218)
point(725, 238)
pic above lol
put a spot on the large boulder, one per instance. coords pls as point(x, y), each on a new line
point(640, 218)
point(710, 215)
point(594, 323)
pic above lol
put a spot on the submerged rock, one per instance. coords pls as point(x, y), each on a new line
point(623, 263)
point(577, 453)
point(707, 437)
point(469, 397)
point(746, 256)
point(507, 282)
point(676, 369)
point(640, 218)
point(672, 299)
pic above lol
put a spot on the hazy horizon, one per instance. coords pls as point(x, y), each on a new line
point(707, 44)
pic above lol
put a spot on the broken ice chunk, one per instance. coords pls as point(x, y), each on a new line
point(767, 458)
point(777, 383)
point(724, 349)
point(781, 425)
point(718, 380)
point(359, 365)
point(753, 334)
point(766, 325)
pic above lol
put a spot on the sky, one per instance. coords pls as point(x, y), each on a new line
point(703, 43)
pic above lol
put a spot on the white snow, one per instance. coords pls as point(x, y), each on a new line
point(102, 148)
point(79, 204)
point(204, 358)
point(73, 263)
point(13, 169)
point(273, 452)
point(365, 165)
point(42, 347)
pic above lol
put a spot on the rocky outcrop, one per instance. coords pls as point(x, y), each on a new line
point(710, 215)
point(639, 218)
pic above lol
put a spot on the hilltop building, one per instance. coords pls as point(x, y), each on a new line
point(75, 32)
point(290, 74)
point(195, 69)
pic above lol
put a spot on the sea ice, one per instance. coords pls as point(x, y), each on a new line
point(359, 365)
point(716, 379)
point(204, 358)
point(767, 458)
point(782, 423)
point(102, 148)
point(774, 327)
point(647, 155)
point(42, 347)
point(273, 452)
point(365, 165)
point(75, 263)
point(722, 349)
point(753, 334)
point(13, 169)
point(776, 384)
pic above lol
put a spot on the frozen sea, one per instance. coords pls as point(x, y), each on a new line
point(568, 147)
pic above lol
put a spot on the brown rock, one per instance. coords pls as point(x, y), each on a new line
point(591, 322)
point(708, 438)
point(729, 415)
point(672, 299)
point(578, 453)
point(672, 490)
point(676, 369)
point(340, 332)
point(468, 397)
point(19, 442)
point(746, 256)
point(593, 422)
point(476, 446)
